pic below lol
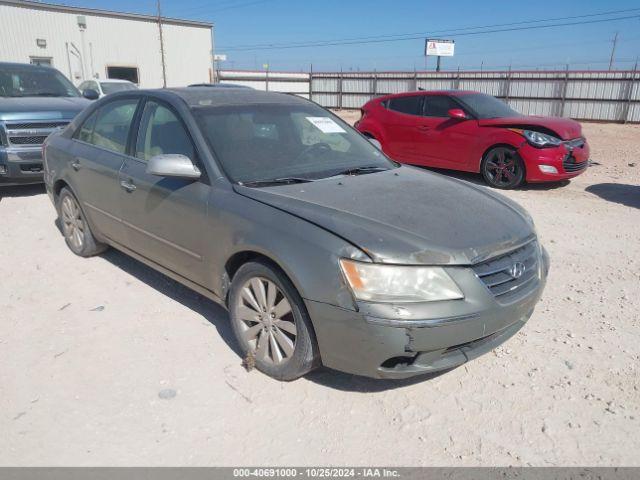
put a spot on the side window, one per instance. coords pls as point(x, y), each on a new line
point(85, 132)
point(82, 86)
point(411, 105)
point(162, 132)
point(438, 105)
point(113, 124)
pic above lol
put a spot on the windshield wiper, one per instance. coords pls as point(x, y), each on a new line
point(360, 170)
point(44, 94)
point(275, 181)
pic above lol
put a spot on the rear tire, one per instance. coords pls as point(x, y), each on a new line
point(271, 323)
point(503, 168)
point(75, 228)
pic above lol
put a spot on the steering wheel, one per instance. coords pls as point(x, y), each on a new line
point(320, 146)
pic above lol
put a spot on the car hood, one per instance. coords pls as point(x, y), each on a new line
point(41, 108)
point(406, 215)
point(565, 128)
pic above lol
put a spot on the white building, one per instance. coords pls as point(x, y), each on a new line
point(86, 43)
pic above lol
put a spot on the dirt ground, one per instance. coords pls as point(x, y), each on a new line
point(105, 362)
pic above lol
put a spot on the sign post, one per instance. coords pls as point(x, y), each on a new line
point(438, 48)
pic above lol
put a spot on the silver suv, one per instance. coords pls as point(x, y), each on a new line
point(34, 101)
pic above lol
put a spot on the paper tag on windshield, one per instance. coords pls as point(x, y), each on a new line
point(326, 125)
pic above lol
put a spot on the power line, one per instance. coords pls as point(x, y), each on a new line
point(436, 32)
point(405, 37)
point(220, 7)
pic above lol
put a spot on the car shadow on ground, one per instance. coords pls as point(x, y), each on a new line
point(623, 194)
point(22, 190)
point(219, 318)
point(210, 310)
point(477, 179)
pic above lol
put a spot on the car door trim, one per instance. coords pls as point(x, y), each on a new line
point(145, 232)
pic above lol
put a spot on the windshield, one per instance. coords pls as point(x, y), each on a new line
point(111, 87)
point(18, 81)
point(274, 141)
point(486, 106)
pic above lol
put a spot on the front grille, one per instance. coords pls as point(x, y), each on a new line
point(32, 140)
point(35, 125)
point(30, 134)
point(570, 165)
point(509, 275)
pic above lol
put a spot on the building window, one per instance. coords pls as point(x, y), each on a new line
point(46, 61)
point(123, 73)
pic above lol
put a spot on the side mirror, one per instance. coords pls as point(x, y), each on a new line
point(376, 143)
point(457, 113)
point(90, 94)
point(173, 165)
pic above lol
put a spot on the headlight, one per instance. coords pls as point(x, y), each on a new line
point(395, 283)
point(538, 139)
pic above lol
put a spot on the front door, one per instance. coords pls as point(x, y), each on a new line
point(445, 142)
point(164, 217)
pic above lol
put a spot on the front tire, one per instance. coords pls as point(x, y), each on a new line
point(503, 168)
point(75, 228)
point(271, 323)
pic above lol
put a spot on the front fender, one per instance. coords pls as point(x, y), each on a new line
point(307, 253)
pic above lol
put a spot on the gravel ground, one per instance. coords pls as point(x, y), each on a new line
point(105, 362)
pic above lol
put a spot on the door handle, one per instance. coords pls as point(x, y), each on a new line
point(128, 186)
point(423, 128)
point(76, 165)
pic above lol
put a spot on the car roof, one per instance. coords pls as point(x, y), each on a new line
point(218, 85)
point(452, 93)
point(25, 65)
point(111, 80)
point(213, 97)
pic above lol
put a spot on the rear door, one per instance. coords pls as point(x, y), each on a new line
point(164, 217)
point(96, 156)
point(444, 141)
point(404, 123)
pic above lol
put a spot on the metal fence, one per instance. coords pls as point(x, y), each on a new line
point(585, 95)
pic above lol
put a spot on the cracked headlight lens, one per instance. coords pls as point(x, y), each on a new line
point(374, 282)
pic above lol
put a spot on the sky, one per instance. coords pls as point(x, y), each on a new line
point(248, 31)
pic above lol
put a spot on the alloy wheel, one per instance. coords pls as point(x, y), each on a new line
point(266, 321)
point(72, 223)
point(502, 168)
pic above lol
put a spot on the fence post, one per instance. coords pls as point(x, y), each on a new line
point(375, 84)
point(340, 91)
point(627, 105)
point(458, 79)
point(507, 85)
point(311, 82)
point(565, 87)
point(415, 80)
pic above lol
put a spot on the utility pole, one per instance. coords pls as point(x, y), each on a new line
point(613, 50)
point(164, 68)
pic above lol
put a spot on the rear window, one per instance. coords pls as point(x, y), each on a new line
point(411, 105)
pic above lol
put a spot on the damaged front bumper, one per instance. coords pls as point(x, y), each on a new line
point(401, 341)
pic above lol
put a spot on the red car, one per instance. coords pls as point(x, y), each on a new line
point(474, 132)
